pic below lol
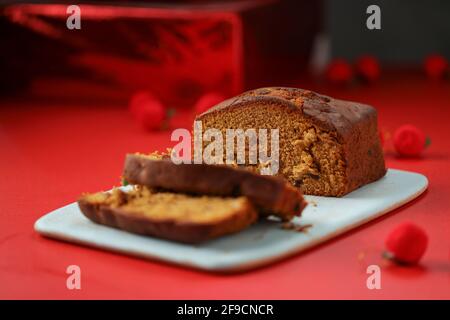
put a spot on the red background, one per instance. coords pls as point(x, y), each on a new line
point(51, 153)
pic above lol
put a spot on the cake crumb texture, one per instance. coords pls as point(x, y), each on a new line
point(328, 147)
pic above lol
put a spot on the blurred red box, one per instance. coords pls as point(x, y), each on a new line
point(177, 52)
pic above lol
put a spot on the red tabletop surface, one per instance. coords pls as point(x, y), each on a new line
point(51, 153)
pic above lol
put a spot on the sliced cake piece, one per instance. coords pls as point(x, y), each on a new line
point(172, 216)
point(328, 147)
point(271, 195)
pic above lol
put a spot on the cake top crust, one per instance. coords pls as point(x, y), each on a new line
point(330, 113)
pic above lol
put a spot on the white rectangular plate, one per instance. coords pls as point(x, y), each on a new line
point(261, 244)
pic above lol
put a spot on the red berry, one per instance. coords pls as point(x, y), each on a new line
point(407, 243)
point(147, 110)
point(339, 71)
point(138, 99)
point(409, 141)
point(207, 101)
point(436, 66)
point(368, 68)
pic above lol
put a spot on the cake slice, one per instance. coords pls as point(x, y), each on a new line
point(328, 147)
point(172, 216)
point(270, 195)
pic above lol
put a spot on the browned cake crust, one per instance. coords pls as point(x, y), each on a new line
point(169, 228)
point(338, 143)
point(270, 194)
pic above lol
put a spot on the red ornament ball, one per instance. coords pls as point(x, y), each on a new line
point(436, 66)
point(409, 141)
point(339, 71)
point(407, 243)
point(368, 68)
point(148, 111)
point(207, 101)
point(137, 100)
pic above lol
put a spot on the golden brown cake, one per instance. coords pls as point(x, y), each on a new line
point(172, 216)
point(270, 195)
point(328, 147)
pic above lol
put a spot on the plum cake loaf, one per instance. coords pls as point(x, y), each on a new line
point(328, 147)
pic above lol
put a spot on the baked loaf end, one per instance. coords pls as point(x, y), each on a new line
point(328, 147)
point(167, 215)
point(270, 195)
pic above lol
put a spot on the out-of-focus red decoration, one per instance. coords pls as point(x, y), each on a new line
point(137, 100)
point(436, 66)
point(382, 139)
point(407, 243)
point(368, 68)
point(207, 101)
point(147, 110)
point(180, 53)
point(409, 141)
point(177, 49)
point(339, 71)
